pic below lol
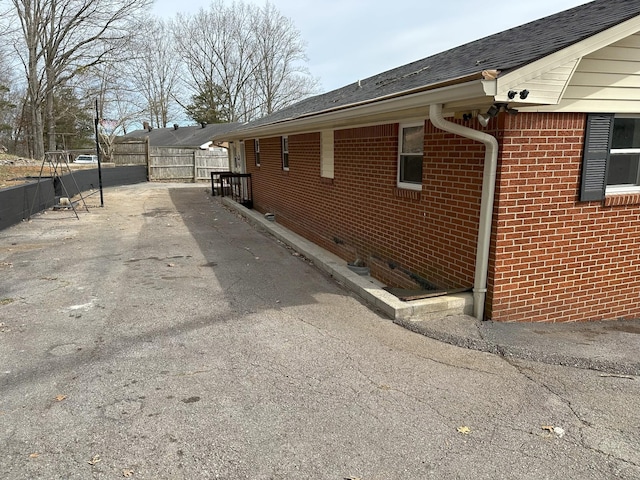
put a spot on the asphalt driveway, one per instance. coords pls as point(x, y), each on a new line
point(161, 337)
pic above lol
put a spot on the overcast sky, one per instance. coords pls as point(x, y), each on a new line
point(348, 40)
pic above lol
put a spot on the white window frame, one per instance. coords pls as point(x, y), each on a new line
point(623, 188)
point(400, 183)
point(285, 153)
point(327, 169)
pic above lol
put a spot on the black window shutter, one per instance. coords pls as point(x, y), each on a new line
point(597, 145)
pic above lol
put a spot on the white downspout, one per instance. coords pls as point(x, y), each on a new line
point(486, 204)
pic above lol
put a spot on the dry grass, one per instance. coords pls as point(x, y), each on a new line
point(16, 170)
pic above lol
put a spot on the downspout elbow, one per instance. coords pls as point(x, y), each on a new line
point(486, 203)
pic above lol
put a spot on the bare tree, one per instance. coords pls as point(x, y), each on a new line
point(61, 39)
point(280, 77)
point(254, 54)
point(217, 47)
point(31, 16)
point(10, 98)
point(155, 69)
point(117, 97)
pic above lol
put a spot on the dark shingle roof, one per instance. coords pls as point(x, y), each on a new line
point(503, 51)
point(187, 137)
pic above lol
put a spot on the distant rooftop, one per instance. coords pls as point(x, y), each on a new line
point(189, 137)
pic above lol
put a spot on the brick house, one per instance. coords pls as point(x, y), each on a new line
point(429, 175)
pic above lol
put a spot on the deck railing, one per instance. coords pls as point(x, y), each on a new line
point(235, 185)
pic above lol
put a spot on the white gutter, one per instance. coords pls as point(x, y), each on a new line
point(486, 204)
point(346, 115)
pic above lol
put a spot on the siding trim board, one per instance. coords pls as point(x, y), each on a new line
point(578, 50)
point(605, 80)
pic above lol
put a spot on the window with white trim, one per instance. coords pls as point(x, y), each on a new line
point(410, 156)
point(623, 172)
point(285, 153)
point(611, 158)
point(256, 149)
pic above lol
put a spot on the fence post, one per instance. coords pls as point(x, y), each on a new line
point(195, 166)
point(148, 155)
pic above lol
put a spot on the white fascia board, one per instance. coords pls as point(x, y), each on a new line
point(536, 69)
point(352, 114)
point(490, 87)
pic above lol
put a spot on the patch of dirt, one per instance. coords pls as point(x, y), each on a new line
point(17, 170)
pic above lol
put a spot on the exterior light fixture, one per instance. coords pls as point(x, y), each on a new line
point(511, 94)
point(493, 111)
point(484, 120)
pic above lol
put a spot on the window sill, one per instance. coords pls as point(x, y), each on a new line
point(326, 181)
point(619, 199)
point(409, 186)
point(409, 194)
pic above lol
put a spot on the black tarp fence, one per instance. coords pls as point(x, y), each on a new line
point(17, 203)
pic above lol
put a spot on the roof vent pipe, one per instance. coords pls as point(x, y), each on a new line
point(175, 126)
point(486, 203)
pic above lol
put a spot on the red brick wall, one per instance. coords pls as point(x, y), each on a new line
point(556, 259)
point(361, 213)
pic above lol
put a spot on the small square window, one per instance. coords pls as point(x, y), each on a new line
point(626, 133)
point(285, 153)
point(623, 171)
point(411, 169)
point(410, 156)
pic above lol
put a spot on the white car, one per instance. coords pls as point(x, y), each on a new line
point(86, 159)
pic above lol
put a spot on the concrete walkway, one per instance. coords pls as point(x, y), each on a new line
point(163, 337)
point(611, 347)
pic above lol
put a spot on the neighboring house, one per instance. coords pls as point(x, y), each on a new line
point(177, 153)
point(195, 136)
point(428, 175)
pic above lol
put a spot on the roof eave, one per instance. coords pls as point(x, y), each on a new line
point(396, 105)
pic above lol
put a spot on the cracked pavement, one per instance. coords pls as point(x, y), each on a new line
point(163, 337)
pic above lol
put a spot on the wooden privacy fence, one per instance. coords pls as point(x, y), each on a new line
point(171, 164)
point(183, 164)
point(131, 152)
